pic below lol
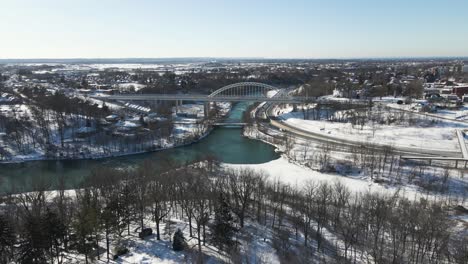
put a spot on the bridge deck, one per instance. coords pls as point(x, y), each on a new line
point(461, 141)
point(221, 98)
point(434, 158)
point(229, 124)
point(201, 98)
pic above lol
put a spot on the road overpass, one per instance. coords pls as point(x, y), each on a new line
point(201, 98)
point(237, 92)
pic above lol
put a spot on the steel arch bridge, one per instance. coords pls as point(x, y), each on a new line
point(247, 89)
point(237, 92)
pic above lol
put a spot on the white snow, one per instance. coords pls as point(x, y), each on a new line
point(85, 130)
point(127, 86)
point(438, 136)
point(296, 175)
point(128, 124)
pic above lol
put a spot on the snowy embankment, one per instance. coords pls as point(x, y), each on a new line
point(439, 136)
point(130, 86)
point(186, 132)
point(294, 169)
point(296, 176)
point(460, 114)
point(40, 155)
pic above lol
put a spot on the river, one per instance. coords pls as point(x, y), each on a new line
point(227, 144)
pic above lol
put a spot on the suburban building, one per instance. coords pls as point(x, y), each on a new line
point(460, 90)
point(6, 99)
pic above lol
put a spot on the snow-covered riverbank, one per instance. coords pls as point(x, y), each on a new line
point(186, 131)
point(294, 169)
point(40, 156)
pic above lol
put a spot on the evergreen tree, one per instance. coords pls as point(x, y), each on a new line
point(86, 223)
point(223, 227)
point(142, 121)
point(178, 243)
point(105, 108)
point(33, 246)
point(7, 239)
point(55, 230)
point(110, 221)
point(127, 211)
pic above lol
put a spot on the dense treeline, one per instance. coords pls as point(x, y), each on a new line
point(68, 127)
point(316, 219)
point(45, 122)
point(380, 164)
point(209, 81)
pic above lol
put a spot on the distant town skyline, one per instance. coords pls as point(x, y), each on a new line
point(233, 29)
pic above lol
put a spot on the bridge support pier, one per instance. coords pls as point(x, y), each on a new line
point(294, 107)
point(177, 104)
point(206, 109)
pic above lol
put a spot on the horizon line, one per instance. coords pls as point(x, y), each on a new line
point(464, 57)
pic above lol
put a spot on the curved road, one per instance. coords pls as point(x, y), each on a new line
point(308, 135)
point(333, 140)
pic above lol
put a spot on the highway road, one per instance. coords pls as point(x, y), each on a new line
point(333, 140)
point(339, 142)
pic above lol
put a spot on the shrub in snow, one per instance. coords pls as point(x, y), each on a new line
point(223, 227)
point(145, 232)
point(178, 243)
point(119, 251)
point(461, 210)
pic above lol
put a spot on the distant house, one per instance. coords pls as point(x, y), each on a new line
point(452, 98)
point(424, 107)
point(153, 118)
point(85, 131)
point(85, 91)
point(100, 86)
point(431, 93)
point(465, 98)
point(125, 126)
point(460, 90)
point(112, 118)
point(187, 115)
point(7, 99)
point(447, 88)
point(337, 93)
point(108, 92)
point(407, 78)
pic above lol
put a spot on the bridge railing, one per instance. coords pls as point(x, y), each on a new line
point(250, 89)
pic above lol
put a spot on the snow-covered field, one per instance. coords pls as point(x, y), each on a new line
point(460, 114)
point(297, 175)
point(297, 166)
point(441, 135)
point(128, 86)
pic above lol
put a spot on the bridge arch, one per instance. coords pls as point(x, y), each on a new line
point(243, 89)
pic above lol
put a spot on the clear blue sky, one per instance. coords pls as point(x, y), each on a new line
point(233, 28)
